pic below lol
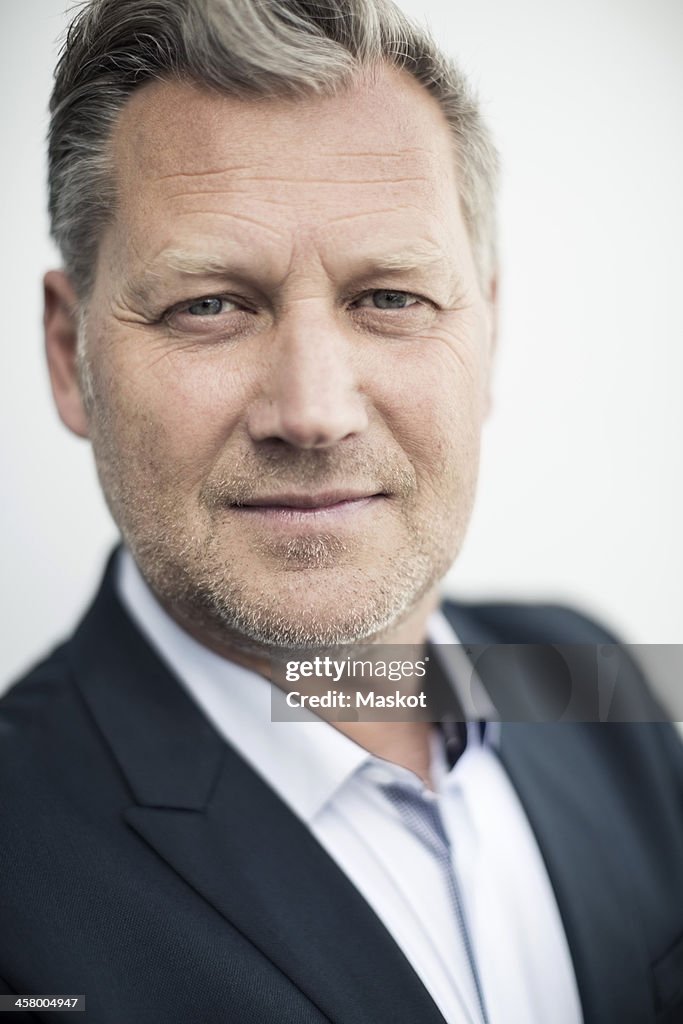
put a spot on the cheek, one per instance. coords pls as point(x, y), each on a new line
point(168, 414)
point(435, 409)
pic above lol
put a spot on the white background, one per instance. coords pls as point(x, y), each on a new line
point(581, 498)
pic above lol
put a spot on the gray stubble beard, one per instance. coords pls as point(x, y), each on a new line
point(202, 593)
point(197, 586)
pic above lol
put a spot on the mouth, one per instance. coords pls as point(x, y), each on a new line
point(310, 502)
point(309, 508)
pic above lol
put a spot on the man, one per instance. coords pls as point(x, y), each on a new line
point(275, 325)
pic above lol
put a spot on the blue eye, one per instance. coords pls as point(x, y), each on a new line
point(195, 315)
point(206, 307)
point(384, 298)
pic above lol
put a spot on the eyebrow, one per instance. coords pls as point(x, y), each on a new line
point(421, 257)
point(195, 264)
point(186, 262)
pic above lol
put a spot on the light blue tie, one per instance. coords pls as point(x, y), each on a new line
point(424, 821)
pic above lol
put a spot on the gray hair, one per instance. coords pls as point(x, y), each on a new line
point(243, 48)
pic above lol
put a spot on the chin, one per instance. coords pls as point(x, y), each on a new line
point(252, 606)
point(339, 614)
point(309, 629)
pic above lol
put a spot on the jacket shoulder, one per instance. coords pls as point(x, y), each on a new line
point(41, 725)
point(528, 622)
point(31, 696)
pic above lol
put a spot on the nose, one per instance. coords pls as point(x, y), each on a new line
point(310, 396)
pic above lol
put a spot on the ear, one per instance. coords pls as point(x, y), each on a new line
point(61, 341)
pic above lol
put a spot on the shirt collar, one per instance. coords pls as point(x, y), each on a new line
point(306, 762)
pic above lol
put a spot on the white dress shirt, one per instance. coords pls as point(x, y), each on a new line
point(335, 787)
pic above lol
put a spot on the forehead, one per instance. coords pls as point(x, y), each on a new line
point(378, 153)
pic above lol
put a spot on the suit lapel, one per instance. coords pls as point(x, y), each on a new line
point(559, 774)
point(228, 835)
point(251, 859)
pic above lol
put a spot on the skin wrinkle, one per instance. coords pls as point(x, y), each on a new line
point(242, 217)
point(329, 182)
point(356, 216)
point(334, 154)
point(374, 153)
point(311, 394)
point(203, 173)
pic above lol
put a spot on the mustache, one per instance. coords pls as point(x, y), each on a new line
point(249, 475)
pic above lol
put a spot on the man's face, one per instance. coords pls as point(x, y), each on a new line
point(288, 357)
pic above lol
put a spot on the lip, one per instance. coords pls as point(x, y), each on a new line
point(308, 502)
point(330, 512)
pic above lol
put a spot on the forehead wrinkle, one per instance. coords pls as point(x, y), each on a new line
point(325, 168)
point(240, 218)
point(335, 182)
point(361, 214)
point(212, 173)
point(382, 154)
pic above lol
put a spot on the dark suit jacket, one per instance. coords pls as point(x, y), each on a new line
point(144, 864)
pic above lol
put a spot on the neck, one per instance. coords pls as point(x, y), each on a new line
point(402, 743)
point(405, 743)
